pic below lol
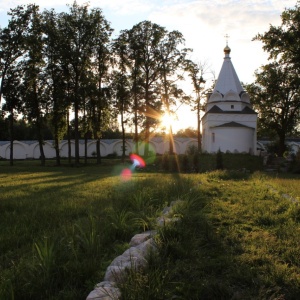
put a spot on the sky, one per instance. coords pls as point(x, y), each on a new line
point(203, 23)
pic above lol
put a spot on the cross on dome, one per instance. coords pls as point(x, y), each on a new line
point(227, 37)
point(227, 49)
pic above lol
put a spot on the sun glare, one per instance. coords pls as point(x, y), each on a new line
point(182, 119)
point(167, 120)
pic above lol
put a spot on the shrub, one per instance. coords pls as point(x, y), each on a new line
point(219, 160)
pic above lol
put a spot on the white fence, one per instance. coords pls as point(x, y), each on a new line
point(30, 149)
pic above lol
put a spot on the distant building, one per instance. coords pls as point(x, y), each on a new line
point(229, 122)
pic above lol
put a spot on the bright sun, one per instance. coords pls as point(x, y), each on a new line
point(183, 119)
point(166, 121)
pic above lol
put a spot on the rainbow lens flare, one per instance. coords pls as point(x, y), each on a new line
point(126, 174)
point(137, 161)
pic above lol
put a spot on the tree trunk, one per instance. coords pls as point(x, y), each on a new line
point(147, 137)
point(166, 100)
point(85, 148)
point(56, 147)
point(43, 160)
point(147, 129)
point(136, 132)
point(198, 132)
point(171, 141)
point(198, 123)
point(281, 144)
point(98, 151)
point(69, 138)
point(11, 129)
point(76, 110)
point(99, 115)
point(39, 128)
point(11, 154)
point(123, 137)
point(40, 140)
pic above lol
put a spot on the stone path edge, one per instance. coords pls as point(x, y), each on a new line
point(135, 257)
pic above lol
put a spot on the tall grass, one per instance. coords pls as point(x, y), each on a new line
point(61, 227)
point(236, 240)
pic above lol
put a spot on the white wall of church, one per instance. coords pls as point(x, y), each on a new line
point(229, 139)
point(234, 140)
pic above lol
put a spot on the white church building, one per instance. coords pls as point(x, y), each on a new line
point(229, 123)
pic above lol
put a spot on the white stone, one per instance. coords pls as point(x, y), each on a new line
point(115, 273)
point(141, 237)
point(105, 290)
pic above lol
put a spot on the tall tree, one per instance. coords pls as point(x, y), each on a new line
point(56, 79)
point(172, 59)
point(4, 135)
point(126, 51)
point(283, 41)
point(275, 95)
point(13, 101)
point(121, 83)
point(12, 50)
point(278, 82)
point(144, 43)
point(12, 41)
point(121, 88)
point(102, 60)
point(196, 72)
point(34, 82)
point(78, 29)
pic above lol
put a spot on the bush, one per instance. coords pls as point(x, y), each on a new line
point(219, 160)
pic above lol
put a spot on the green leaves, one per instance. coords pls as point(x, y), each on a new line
point(45, 251)
point(275, 93)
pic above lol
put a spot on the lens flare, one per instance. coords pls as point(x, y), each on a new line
point(126, 174)
point(137, 161)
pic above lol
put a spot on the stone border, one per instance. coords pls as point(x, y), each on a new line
point(133, 258)
point(286, 196)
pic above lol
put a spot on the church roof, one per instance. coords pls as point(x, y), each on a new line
point(233, 124)
point(217, 110)
point(248, 110)
point(228, 79)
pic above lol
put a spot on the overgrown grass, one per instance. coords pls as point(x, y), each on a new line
point(237, 237)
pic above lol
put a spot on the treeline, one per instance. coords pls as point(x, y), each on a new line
point(27, 131)
point(61, 66)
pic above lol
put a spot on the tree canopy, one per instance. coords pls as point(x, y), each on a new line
point(276, 90)
point(58, 65)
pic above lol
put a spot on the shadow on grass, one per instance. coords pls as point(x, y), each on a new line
point(201, 257)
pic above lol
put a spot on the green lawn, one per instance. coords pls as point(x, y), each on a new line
point(238, 237)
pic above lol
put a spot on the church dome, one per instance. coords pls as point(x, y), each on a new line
point(228, 81)
point(227, 50)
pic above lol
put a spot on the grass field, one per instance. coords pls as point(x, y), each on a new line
point(238, 237)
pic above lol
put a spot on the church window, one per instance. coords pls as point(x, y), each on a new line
point(213, 137)
point(232, 106)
